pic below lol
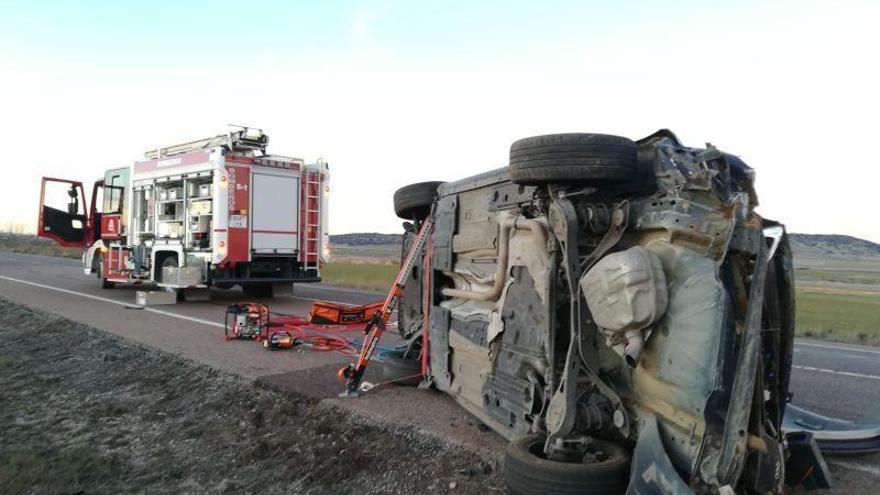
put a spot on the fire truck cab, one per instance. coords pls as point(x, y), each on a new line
point(215, 212)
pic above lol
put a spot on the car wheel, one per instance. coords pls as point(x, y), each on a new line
point(528, 472)
point(413, 202)
point(401, 370)
point(584, 158)
point(99, 270)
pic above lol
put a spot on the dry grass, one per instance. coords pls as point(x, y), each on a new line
point(370, 276)
point(30, 244)
point(840, 317)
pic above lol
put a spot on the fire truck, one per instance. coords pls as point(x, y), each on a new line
point(217, 212)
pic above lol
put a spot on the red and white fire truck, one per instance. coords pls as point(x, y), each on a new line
point(215, 212)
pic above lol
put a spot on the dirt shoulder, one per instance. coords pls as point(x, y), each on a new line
point(87, 412)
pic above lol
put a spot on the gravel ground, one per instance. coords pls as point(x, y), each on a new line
point(85, 412)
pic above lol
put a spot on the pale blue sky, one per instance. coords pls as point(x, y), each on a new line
point(396, 92)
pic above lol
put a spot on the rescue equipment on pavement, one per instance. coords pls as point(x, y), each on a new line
point(250, 321)
point(333, 313)
point(245, 321)
point(279, 338)
point(354, 373)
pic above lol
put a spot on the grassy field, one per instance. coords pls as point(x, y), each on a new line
point(842, 276)
point(838, 299)
point(838, 316)
point(36, 245)
point(372, 276)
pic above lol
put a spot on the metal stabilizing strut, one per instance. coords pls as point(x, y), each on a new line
point(352, 374)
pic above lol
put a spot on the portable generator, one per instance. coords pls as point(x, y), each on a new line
point(246, 321)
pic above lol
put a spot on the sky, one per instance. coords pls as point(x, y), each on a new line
point(393, 92)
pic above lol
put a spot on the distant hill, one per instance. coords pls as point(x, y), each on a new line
point(833, 245)
point(802, 244)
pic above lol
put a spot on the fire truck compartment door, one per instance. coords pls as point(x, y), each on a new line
point(274, 212)
point(62, 212)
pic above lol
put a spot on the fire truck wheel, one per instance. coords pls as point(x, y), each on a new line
point(99, 271)
point(413, 202)
point(400, 370)
point(585, 158)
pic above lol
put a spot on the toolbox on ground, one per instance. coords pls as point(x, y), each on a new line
point(154, 297)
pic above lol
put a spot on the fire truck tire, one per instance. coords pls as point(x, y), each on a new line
point(99, 271)
point(528, 472)
point(400, 370)
point(413, 202)
point(584, 158)
point(257, 290)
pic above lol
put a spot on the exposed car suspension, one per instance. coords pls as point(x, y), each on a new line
point(594, 412)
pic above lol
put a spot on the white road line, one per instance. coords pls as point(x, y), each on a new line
point(835, 372)
point(184, 317)
point(838, 347)
point(855, 466)
point(113, 301)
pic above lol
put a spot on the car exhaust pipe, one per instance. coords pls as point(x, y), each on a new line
point(504, 228)
point(635, 341)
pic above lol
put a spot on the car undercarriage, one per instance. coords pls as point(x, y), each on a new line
point(615, 308)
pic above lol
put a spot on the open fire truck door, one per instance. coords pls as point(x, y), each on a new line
point(63, 217)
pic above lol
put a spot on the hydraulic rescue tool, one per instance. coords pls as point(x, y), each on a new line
point(280, 338)
point(354, 373)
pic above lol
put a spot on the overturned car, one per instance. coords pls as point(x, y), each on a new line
point(616, 309)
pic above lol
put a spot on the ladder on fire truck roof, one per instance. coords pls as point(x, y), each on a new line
point(312, 191)
point(243, 139)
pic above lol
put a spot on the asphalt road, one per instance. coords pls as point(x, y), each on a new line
point(833, 379)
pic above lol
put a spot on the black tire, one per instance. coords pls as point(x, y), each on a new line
point(258, 291)
point(413, 202)
point(99, 271)
point(527, 472)
point(400, 370)
point(583, 158)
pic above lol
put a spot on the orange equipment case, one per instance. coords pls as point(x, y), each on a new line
point(330, 313)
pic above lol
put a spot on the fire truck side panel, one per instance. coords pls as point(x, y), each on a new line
point(239, 214)
point(275, 208)
point(220, 207)
point(114, 264)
